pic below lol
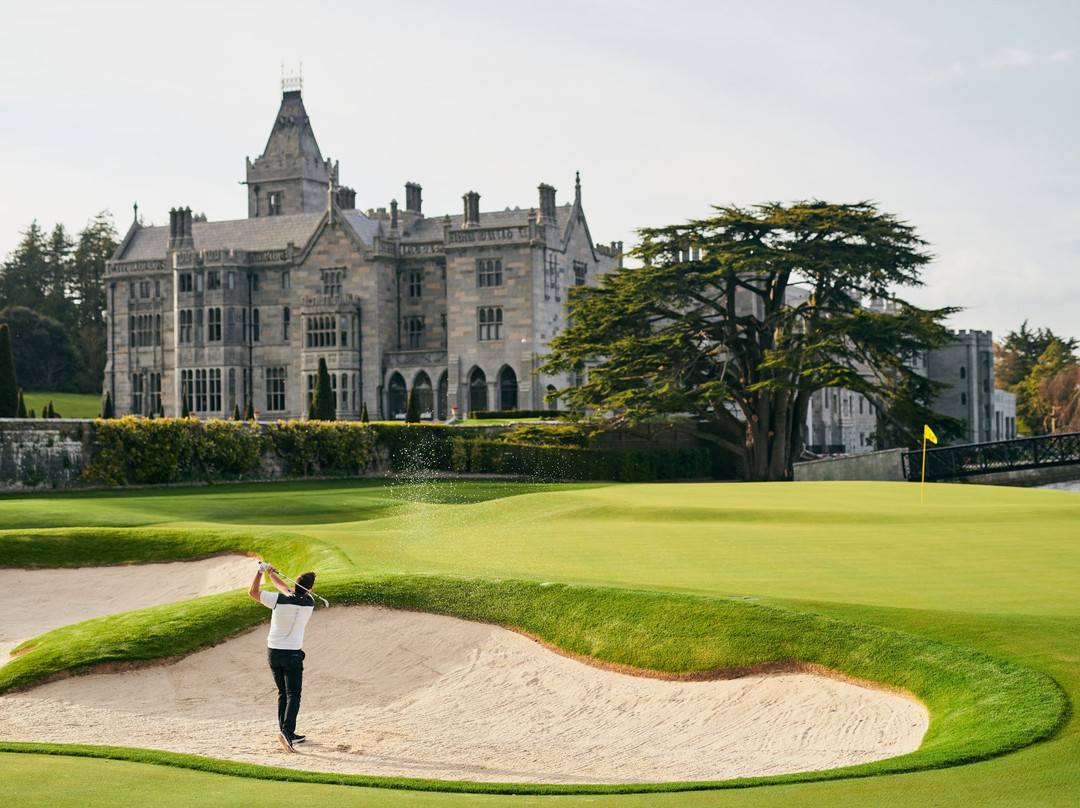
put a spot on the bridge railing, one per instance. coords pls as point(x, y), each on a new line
point(1017, 454)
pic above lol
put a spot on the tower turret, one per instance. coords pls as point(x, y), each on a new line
point(291, 175)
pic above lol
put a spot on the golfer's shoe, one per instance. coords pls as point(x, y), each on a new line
point(298, 739)
point(283, 739)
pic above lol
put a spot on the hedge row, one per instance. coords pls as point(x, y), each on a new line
point(485, 456)
point(139, 451)
point(491, 415)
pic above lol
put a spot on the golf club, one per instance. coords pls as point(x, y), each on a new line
point(265, 566)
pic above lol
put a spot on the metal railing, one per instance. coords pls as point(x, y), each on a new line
point(947, 462)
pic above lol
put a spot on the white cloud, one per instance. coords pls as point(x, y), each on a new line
point(1014, 57)
point(1007, 58)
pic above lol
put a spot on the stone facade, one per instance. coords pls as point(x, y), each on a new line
point(457, 307)
point(842, 422)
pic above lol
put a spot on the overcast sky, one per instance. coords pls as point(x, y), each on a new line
point(959, 117)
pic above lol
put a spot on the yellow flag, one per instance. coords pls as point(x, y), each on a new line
point(928, 434)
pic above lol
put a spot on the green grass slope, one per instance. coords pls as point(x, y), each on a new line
point(984, 573)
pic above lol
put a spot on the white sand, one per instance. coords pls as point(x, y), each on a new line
point(36, 601)
point(400, 693)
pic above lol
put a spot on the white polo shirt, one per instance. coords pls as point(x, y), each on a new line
point(290, 618)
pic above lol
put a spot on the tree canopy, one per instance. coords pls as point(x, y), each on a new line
point(737, 319)
point(1027, 363)
point(43, 355)
point(62, 279)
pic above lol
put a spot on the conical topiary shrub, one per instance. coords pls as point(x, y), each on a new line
point(107, 406)
point(249, 410)
point(185, 406)
point(323, 406)
point(235, 411)
point(412, 409)
point(20, 411)
point(363, 414)
point(9, 386)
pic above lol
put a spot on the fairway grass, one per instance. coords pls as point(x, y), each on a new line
point(969, 602)
point(67, 405)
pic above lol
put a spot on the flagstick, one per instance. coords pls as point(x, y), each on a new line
point(922, 485)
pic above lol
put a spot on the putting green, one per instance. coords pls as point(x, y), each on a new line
point(981, 568)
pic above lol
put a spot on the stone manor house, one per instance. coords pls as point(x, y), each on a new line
point(458, 307)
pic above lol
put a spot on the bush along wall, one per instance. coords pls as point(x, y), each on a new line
point(139, 451)
point(486, 456)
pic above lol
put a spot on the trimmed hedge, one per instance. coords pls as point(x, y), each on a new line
point(485, 456)
point(492, 415)
point(140, 451)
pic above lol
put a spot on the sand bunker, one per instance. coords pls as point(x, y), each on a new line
point(41, 600)
point(406, 694)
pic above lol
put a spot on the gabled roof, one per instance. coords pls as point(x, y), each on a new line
point(366, 229)
point(264, 233)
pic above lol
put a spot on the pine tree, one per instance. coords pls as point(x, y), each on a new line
point(106, 406)
point(412, 409)
point(20, 412)
point(322, 404)
point(249, 410)
point(363, 414)
point(9, 386)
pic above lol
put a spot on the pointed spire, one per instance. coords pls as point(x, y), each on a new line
point(577, 188)
point(284, 178)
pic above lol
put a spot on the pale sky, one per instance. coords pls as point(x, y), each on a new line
point(960, 117)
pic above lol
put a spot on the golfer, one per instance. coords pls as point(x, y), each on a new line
point(285, 645)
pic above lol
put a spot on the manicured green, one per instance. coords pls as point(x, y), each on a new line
point(983, 569)
point(69, 405)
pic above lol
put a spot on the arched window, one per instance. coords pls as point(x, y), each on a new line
point(397, 398)
point(478, 397)
point(442, 401)
point(424, 399)
point(508, 389)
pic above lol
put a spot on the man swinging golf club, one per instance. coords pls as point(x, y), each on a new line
point(292, 610)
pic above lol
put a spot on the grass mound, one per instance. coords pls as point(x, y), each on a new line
point(980, 706)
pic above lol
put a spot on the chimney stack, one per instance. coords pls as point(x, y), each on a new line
point(547, 204)
point(412, 197)
point(472, 209)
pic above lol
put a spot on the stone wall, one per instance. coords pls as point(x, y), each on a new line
point(886, 465)
point(43, 454)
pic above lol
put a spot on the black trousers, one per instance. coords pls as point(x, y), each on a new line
point(288, 670)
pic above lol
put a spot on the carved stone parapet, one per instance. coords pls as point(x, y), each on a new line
point(481, 235)
point(322, 304)
point(414, 358)
point(132, 267)
point(433, 248)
